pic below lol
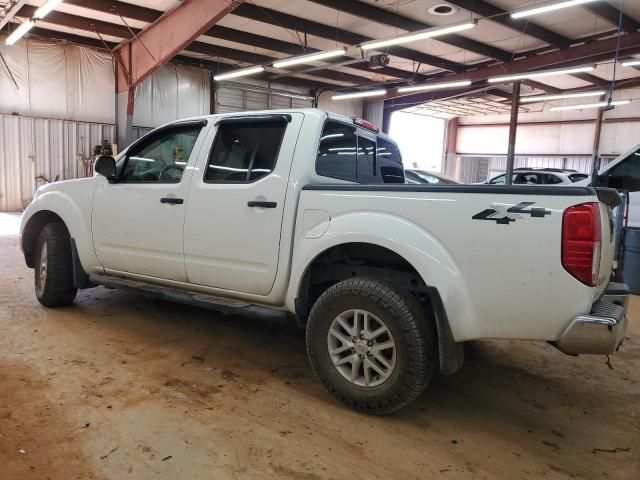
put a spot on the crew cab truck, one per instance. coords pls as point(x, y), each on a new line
point(305, 213)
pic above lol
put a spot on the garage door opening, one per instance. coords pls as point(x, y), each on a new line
point(421, 139)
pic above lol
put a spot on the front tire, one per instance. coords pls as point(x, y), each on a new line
point(371, 345)
point(54, 267)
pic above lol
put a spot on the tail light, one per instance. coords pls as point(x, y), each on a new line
point(581, 240)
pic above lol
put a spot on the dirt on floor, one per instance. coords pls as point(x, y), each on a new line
point(123, 386)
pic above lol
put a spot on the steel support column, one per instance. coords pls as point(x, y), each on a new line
point(513, 129)
point(595, 167)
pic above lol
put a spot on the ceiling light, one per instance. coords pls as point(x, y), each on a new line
point(42, 11)
point(312, 57)
point(548, 73)
point(19, 32)
point(590, 105)
point(631, 63)
point(544, 98)
point(546, 7)
point(419, 35)
point(238, 73)
point(370, 93)
point(435, 86)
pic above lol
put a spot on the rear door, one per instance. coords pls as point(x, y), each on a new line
point(236, 202)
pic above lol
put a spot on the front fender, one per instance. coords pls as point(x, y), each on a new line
point(420, 248)
point(72, 201)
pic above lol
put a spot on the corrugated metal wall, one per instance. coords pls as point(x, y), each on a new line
point(31, 147)
point(478, 168)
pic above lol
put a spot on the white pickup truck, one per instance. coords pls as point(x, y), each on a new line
point(305, 213)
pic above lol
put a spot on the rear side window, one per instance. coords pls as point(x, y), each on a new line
point(245, 152)
point(366, 161)
point(337, 151)
point(389, 161)
point(345, 154)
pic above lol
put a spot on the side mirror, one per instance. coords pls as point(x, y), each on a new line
point(106, 166)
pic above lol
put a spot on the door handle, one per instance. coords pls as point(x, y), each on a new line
point(256, 203)
point(172, 200)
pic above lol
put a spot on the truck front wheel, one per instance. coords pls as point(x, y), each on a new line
point(371, 344)
point(54, 267)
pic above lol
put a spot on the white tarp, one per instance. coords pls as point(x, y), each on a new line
point(57, 80)
point(170, 93)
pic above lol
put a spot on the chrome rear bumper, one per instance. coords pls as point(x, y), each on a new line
point(601, 331)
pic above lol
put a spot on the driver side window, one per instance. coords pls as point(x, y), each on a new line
point(162, 158)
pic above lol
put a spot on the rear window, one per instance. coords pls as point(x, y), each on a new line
point(346, 154)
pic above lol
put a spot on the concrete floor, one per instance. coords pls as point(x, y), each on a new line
point(121, 386)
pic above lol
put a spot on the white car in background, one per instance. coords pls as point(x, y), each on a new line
point(541, 176)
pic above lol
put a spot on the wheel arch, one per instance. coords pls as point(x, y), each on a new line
point(367, 259)
point(32, 230)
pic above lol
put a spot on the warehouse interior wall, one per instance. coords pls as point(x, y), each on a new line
point(56, 80)
point(546, 132)
point(170, 93)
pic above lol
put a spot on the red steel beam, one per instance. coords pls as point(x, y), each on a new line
point(170, 34)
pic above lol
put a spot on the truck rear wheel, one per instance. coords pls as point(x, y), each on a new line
point(371, 345)
point(54, 267)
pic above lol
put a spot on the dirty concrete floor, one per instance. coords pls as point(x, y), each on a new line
point(121, 386)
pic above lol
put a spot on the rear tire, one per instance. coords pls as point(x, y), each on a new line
point(54, 267)
point(344, 340)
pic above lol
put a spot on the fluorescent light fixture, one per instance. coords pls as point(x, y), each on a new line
point(547, 73)
point(547, 7)
point(590, 105)
point(419, 35)
point(370, 93)
point(544, 98)
point(19, 32)
point(312, 57)
point(238, 73)
point(42, 11)
point(631, 63)
point(435, 86)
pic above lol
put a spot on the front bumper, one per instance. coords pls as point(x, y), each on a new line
point(601, 331)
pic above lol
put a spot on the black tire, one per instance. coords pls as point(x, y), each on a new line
point(412, 329)
point(56, 289)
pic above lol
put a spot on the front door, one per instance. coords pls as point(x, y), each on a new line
point(138, 220)
point(232, 226)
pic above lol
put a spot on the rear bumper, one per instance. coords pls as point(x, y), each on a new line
point(601, 331)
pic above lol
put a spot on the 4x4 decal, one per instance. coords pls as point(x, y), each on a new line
point(503, 215)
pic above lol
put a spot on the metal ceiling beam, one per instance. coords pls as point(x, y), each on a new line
point(149, 15)
point(592, 79)
point(580, 54)
point(127, 10)
point(542, 86)
point(163, 39)
point(216, 67)
point(385, 17)
point(612, 15)
point(9, 11)
point(118, 31)
point(289, 48)
point(273, 17)
point(498, 15)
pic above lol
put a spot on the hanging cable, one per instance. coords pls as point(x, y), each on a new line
point(616, 57)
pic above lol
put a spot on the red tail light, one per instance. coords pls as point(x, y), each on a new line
point(581, 240)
